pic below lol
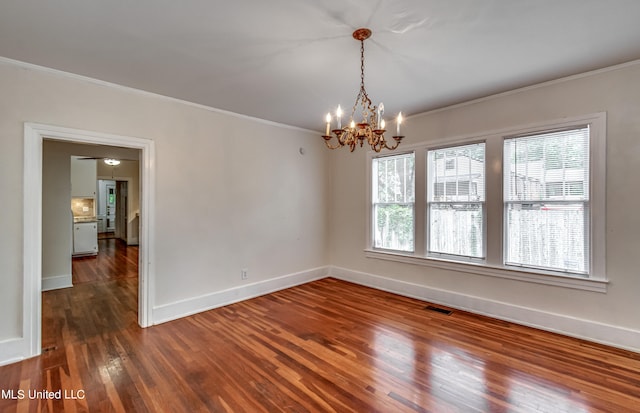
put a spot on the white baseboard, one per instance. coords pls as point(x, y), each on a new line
point(179, 309)
point(56, 282)
point(12, 351)
point(610, 335)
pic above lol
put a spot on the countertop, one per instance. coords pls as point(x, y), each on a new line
point(82, 220)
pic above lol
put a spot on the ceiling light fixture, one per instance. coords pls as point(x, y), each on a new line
point(112, 162)
point(372, 125)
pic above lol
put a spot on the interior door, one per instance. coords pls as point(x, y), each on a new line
point(121, 211)
point(111, 207)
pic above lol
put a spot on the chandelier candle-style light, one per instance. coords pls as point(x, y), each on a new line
point(371, 127)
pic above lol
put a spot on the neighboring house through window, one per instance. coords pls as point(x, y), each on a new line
point(547, 229)
point(455, 199)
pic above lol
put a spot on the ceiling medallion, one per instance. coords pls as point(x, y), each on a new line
point(371, 127)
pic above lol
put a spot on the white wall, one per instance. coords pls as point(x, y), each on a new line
point(611, 317)
point(231, 192)
point(57, 219)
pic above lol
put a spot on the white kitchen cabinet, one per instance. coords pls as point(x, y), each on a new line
point(85, 238)
point(83, 177)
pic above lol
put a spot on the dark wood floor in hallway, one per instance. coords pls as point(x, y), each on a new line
point(114, 261)
point(326, 346)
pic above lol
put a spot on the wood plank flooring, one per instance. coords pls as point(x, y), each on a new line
point(326, 346)
point(115, 260)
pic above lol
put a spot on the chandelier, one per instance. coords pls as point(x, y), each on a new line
point(371, 127)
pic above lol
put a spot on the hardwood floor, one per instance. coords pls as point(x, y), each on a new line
point(106, 235)
point(115, 260)
point(326, 346)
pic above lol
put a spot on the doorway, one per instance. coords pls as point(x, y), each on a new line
point(34, 134)
point(106, 207)
point(112, 209)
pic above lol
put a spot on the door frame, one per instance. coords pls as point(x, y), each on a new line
point(34, 134)
point(126, 207)
point(100, 202)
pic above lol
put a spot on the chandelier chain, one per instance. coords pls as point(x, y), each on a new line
point(363, 97)
point(362, 64)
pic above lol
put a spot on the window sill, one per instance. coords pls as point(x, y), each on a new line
point(540, 277)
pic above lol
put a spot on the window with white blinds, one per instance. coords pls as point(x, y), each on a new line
point(524, 202)
point(455, 201)
point(393, 197)
point(546, 200)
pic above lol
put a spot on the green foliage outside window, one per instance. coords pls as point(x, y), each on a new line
point(393, 197)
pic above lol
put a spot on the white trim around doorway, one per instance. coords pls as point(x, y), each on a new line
point(34, 134)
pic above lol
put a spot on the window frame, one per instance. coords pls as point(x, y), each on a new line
point(428, 203)
point(586, 204)
point(493, 265)
point(372, 204)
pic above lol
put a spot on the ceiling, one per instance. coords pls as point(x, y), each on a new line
point(292, 61)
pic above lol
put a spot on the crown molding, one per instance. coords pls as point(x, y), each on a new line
point(527, 88)
point(86, 79)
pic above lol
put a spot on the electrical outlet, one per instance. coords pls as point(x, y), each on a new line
point(244, 273)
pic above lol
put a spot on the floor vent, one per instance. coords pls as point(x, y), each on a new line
point(50, 348)
point(438, 310)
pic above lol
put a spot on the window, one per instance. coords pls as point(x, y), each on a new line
point(525, 203)
point(455, 198)
point(393, 202)
point(547, 229)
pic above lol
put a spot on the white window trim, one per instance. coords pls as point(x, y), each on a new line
point(444, 255)
point(493, 265)
point(370, 224)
